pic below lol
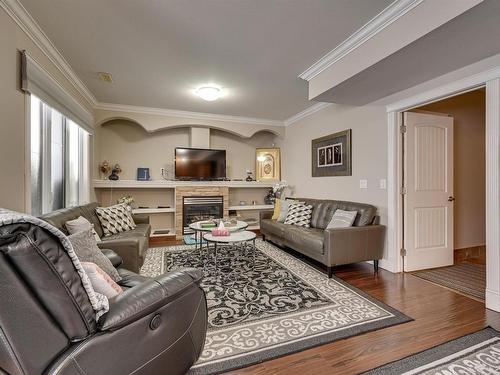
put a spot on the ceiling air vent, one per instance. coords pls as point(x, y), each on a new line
point(106, 77)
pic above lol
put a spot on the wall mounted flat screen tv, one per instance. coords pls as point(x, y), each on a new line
point(200, 164)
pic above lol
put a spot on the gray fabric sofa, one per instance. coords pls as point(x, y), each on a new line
point(332, 247)
point(131, 245)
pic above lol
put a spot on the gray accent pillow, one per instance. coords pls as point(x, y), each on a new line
point(342, 219)
point(86, 249)
point(285, 205)
point(79, 225)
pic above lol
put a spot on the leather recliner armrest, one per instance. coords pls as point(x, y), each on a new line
point(115, 259)
point(143, 299)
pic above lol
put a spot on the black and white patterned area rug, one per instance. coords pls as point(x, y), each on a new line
point(474, 354)
point(267, 304)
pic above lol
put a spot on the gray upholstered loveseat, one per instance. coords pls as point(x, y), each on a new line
point(131, 245)
point(332, 247)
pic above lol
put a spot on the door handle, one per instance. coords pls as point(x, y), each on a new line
point(451, 199)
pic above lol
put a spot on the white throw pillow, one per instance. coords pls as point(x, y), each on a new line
point(115, 219)
point(299, 214)
point(80, 225)
point(342, 219)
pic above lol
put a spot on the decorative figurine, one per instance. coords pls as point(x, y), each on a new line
point(249, 176)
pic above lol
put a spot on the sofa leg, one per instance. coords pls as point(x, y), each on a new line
point(263, 237)
point(375, 265)
point(329, 270)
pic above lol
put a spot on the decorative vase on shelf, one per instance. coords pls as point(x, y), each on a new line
point(104, 169)
point(114, 173)
point(270, 198)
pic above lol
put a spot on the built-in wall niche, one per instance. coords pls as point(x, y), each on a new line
point(158, 204)
point(248, 196)
point(128, 144)
point(242, 207)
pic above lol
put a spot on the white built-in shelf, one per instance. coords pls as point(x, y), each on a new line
point(152, 210)
point(169, 184)
point(249, 207)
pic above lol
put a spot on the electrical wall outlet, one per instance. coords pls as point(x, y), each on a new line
point(363, 184)
point(382, 184)
point(162, 172)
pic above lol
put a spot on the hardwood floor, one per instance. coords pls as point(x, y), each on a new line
point(440, 315)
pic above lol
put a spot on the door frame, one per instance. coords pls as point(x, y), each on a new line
point(491, 80)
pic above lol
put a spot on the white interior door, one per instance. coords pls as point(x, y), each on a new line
point(428, 226)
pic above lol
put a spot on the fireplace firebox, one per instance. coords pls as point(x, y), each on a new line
point(200, 208)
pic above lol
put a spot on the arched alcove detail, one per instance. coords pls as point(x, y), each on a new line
point(153, 123)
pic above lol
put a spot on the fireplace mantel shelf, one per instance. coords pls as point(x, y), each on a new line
point(169, 184)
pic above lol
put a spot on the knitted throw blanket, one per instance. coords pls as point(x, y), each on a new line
point(98, 301)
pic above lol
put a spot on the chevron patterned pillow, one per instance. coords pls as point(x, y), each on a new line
point(115, 219)
point(299, 214)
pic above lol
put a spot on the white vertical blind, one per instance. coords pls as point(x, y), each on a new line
point(59, 160)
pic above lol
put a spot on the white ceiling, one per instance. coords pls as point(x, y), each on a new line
point(160, 50)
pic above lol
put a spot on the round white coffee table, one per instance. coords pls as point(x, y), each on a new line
point(243, 236)
point(198, 230)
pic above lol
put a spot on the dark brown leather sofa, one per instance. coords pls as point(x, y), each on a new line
point(131, 245)
point(332, 247)
point(47, 324)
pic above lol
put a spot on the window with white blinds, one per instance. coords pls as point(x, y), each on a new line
point(59, 160)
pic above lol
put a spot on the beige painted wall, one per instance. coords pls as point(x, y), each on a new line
point(240, 152)
point(369, 155)
point(469, 171)
point(12, 110)
point(131, 146)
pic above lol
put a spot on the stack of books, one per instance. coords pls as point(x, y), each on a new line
point(207, 225)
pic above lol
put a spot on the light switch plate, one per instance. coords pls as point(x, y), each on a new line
point(382, 184)
point(363, 184)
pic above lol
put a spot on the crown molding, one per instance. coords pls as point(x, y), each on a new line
point(31, 28)
point(390, 14)
point(187, 114)
point(306, 112)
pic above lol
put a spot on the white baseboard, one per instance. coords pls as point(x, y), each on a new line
point(493, 300)
point(385, 264)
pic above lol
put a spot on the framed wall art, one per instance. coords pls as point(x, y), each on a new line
point(331, 155)
point(267, 164)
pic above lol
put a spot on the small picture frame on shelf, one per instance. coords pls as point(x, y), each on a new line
point(143, 174)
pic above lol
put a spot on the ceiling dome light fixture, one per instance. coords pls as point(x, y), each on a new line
point(209, 93)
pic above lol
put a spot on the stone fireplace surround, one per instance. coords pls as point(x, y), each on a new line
point(196, 191)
